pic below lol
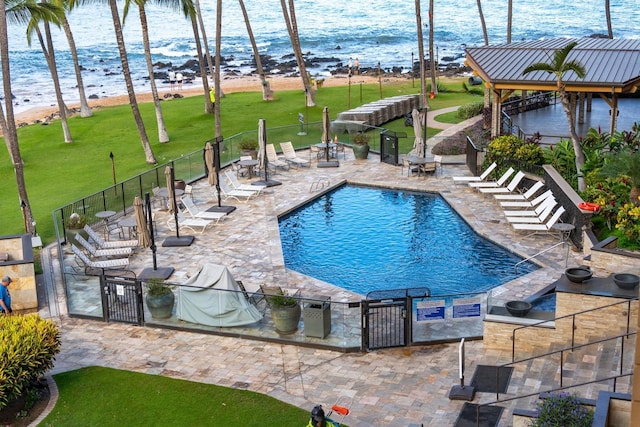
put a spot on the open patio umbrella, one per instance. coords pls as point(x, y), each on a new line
point(212, 178)
point(418, 144)
point(172, 201)
point(144, 239)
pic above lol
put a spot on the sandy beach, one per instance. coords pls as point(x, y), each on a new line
point(229, 84)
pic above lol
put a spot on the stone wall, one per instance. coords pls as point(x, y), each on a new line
point(20, 268)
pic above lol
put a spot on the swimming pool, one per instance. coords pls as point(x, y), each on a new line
point(365, 239)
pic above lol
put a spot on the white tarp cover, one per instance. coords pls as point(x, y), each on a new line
point(206, 299)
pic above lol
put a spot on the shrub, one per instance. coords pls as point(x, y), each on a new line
point(468, 111)
point(610, 194)
point(562, 409)
point(511, 151)
point(29, 346)
point(629, 221)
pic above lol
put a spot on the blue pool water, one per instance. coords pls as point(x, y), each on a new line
point(365, 239)
point(545, 303)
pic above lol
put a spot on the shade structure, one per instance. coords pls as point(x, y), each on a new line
point(418, 144)
point(263, 163)
point(326, 139)
point(171, 198)
point(144, 237)
point(212, 176)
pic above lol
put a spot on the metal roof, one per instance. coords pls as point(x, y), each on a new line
point(612, 65)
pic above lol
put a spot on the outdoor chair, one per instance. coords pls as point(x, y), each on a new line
point(116, 263)
point(438, 161)
point(99, 253)
point(521, 197)
point(195, 212)
point(482, 177)
point(103, 244)
point(541, 218)
point(233, 180)
point(527, 204)
point(229, 193)
point(190, 223)
point(499, 183)
point(239, 170)
point(508, 189)
point(529, 212)
point(290, 155)
point(274, 160)
point(546, 227)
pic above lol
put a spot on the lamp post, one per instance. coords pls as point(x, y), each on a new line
point(23, 206)
point(113, 171)
point(424, 132)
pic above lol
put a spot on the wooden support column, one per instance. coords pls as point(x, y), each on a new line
point(589, 102)
point(496, 114)
point(581, 108)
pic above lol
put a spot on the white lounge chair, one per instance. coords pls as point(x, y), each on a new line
point(513, 184)
point(230, 193)
point(273, 159)
point(99, 253)
point(539, 219)
point(291, 156)
point(100, 265)
point(103, 244)
point(521, 197)
point(535, 212)
point(499, 183)
point(524, 205)
point(237, 185)
point(190, 223)
point(195, 212)
point(482, 177)
point(541, 227)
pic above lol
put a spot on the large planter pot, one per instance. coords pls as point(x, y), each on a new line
point(160, 307)
point(70, 234)
point(361, 151)
point(286, 318)
point(252, 153)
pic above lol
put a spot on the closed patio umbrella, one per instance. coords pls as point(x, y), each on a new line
point(263, 162)
point(144, 238)
point(170, 197)
point(212, 177)
point(326, 131)
point(418, 144)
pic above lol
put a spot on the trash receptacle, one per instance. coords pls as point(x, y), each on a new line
point(317, 317)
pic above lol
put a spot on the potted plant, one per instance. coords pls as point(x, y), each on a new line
point(249, 147)
point(285, 312)
point(159, 299)
point(75, 225)
point(361, 145)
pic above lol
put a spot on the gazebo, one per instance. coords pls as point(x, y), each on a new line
point(612, 65)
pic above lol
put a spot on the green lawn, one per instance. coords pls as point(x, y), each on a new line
point(97, 396)
point(57, 173)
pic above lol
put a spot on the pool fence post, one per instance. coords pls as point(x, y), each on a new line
point(461, 392)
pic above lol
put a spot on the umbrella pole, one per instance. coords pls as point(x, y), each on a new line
point(266, 182)
point(216, 167)
point(177, 240)
point(155, 272)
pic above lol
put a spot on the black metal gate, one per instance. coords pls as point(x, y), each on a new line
point(121, 299)
point(389, 146)
point(386, 317)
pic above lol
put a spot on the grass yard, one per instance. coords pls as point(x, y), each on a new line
point(97, 396)
point(57, 173)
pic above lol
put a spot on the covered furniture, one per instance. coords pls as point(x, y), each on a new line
point(213, 298)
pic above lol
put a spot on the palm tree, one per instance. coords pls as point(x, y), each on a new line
point(208, 105)
point(17, 11)
point(559, 66)
point(423, 83)
point(163, 136)
point(267, 93)
point(216, 79)
point(509, 20)
point(607, 11)
point(432, 58)
point(144, 139)
point(50, 56)
point(207, 52)
point(292, 29)
point(487, 91)
point(85, 110)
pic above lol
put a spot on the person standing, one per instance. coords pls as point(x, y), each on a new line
point(172, 79)
point(356, 66)
point(5, 296)
point(349, 65)
point(212, 96)
point(179, 78)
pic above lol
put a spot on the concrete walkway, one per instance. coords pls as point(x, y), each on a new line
point(393, 387)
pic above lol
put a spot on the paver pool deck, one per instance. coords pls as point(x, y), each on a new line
point(392, 387)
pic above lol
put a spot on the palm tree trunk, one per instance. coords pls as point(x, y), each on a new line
point(51, 63)
point(267, 93)
point(575, 140)
point(216, 81)
point(423, 82)
point(607, 11)
point(8, 125)
point(163, 136)
point(208, 105)
point(85, 110)
point(487, 92)
point(432, 58)
point(292, 29)
point(207, 52)
point(144, 139)
point(509, 20)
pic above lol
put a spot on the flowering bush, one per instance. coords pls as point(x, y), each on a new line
point(629, 221)
point(610, 194)
point(562, 409)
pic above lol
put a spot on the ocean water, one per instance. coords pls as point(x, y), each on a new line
point(374, 31)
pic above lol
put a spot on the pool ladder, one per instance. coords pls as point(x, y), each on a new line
point(320, 184)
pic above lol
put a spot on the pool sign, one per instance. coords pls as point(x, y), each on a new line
point(466, 307)
point(430, 311)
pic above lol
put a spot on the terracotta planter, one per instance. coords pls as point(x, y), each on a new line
point(361, 151)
